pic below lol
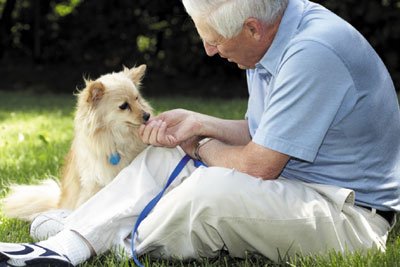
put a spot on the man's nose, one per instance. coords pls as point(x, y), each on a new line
point(211, 50)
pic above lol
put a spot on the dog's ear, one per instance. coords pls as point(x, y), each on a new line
point(136, 74)
point(95, 92)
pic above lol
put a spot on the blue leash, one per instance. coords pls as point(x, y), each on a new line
point(155, 200)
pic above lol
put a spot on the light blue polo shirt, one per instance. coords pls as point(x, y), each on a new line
point(322, 95)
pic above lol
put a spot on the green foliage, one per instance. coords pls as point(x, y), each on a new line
point(104, 35)
point(66, 8)
point(2, 2)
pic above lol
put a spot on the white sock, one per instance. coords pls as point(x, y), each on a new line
point(70, 244)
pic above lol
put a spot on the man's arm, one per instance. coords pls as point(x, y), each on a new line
point(231, 146)
point(252, 158)
point(173, 127)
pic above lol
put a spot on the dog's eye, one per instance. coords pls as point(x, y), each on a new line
point(137, 98)
point(124, 106)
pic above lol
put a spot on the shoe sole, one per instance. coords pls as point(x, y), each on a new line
point(36, 262)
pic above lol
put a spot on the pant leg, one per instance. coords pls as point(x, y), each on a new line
point(107, 218)
point(218, 208)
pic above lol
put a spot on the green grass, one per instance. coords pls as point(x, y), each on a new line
point(35, 134)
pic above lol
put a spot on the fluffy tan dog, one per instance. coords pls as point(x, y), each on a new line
point(108, 115)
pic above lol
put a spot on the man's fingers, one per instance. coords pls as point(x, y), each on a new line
point(156, 133)
point(141, 130)
point(161, 138)
point(171, 140)
point(147, 132)
point(153, 135)
point(164, 138)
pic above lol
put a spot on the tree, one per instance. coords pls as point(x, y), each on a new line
point(5, 25)
point(102, 35)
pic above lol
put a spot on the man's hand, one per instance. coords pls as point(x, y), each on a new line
point(170, 128)
point(190, 145)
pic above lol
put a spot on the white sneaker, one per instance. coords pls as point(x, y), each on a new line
point(48, 224)
point(12, 254)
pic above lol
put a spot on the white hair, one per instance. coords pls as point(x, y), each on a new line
point(227, 17)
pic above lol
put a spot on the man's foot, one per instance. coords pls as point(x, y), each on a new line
point(12, 254)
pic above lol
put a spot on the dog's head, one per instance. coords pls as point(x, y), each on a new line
point(113, 102)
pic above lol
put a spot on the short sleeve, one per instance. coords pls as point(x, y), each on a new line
point(306, 94)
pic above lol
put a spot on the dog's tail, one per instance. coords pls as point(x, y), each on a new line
point(27, 201)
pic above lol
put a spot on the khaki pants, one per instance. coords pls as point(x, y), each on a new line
point(207, 210)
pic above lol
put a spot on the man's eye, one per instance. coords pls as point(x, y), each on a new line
point(124, 106)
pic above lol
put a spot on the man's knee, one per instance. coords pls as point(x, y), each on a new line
point(209, 190)
point(183, 222)
point(154, 154)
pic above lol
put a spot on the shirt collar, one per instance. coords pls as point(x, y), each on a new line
point(287, 28)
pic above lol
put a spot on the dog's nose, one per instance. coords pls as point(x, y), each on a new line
point(146, 116)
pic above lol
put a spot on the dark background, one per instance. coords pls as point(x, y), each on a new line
point(49, 45)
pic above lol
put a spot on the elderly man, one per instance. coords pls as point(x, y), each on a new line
point(313, 167)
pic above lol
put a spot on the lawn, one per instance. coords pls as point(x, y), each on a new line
point(35, 133)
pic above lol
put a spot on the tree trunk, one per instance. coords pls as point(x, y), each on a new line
point(36, 30)
point(5, 25)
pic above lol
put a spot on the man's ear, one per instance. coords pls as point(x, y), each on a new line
point(95, 92)
point(253, 28)
point(136, 74)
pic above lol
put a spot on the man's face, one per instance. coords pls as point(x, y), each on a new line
point(239, 49)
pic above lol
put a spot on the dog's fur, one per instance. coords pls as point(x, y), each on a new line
point(109, 113)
